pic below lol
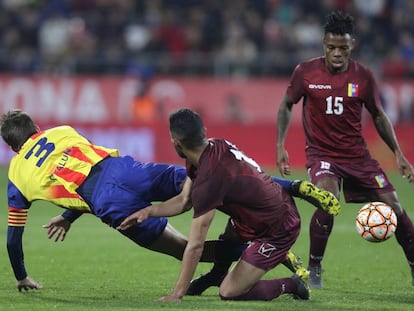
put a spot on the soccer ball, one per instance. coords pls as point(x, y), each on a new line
point(376, 222)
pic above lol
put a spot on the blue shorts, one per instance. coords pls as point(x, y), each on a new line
point(120, 186)
point(360, 181)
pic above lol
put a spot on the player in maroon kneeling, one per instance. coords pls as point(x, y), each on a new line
point(222, 178)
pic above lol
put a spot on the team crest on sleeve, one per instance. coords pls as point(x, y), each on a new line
point(352, 90)
point(266, 249)
point(381, 181)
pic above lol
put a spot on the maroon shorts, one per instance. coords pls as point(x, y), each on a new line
point(267, 252)
point(360, 181)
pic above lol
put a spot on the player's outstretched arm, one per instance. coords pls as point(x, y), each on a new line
point(17, 220)
point(283, 121)
point(172, 207)
point(135, 218)
point(387, 133)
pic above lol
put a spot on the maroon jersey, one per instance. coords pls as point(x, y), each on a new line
point(332, 108)
point(233, 183)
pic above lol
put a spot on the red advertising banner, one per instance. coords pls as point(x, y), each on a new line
point(106, 99)
point(242, 111)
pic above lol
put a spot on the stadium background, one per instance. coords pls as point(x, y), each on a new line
point(86, 62)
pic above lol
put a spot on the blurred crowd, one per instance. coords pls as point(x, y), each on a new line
point(195, 37)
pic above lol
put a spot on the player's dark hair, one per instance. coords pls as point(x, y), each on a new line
point(16, 128)
point(187, 126)
point(339, 23)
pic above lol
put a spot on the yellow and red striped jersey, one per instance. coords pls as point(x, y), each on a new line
point(50, 166)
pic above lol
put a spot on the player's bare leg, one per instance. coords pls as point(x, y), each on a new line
point(171, 242)
point(244, 283)
point(221, 266)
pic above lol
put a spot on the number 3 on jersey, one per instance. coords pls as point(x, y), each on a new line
point(334, 105)
point(44, 149)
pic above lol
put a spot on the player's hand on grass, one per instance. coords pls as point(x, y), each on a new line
point(170, 298)
point(134, 219)
point(57, 227)
point(27, 284)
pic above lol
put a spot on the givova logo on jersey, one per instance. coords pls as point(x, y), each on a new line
point(320, 86)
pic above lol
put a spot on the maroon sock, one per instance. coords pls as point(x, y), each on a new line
point(405, 236)
point(267, 290)
point(320, 228)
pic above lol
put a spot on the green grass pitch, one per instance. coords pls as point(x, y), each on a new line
point(98, 269)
